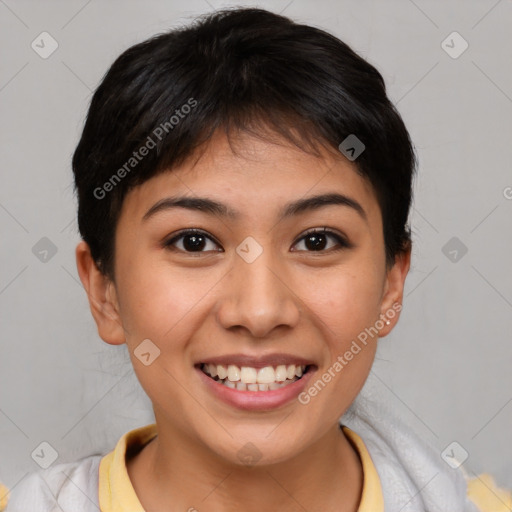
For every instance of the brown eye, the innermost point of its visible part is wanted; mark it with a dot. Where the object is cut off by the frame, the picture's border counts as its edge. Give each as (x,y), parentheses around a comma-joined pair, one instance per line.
(316,240)
(192,240)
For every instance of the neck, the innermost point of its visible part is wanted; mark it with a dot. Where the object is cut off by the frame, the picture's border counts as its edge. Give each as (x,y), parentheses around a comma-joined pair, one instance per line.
(173,470)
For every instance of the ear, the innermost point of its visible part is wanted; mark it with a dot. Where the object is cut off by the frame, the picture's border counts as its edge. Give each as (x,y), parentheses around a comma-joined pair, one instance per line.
(102,297)
(392,297)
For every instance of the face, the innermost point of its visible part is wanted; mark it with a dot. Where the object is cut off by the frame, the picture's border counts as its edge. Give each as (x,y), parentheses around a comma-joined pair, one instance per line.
(273,288)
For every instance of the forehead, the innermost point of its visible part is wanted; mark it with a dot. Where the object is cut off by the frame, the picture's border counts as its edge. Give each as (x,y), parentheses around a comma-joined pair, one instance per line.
(254,173)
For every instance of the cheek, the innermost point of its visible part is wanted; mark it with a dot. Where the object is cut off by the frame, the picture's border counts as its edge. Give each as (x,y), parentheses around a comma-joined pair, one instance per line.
(345,301)
(155,301)
(346,305)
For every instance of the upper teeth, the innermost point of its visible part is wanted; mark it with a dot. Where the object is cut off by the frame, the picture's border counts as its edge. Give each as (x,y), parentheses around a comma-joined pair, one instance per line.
(250,375)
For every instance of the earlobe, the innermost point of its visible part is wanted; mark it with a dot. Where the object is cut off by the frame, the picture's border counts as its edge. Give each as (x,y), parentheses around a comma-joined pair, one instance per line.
(392,298)
(101,295)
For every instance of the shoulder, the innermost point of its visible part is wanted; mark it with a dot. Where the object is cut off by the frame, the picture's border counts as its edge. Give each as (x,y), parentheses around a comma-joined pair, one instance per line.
(405,462)
(73,485)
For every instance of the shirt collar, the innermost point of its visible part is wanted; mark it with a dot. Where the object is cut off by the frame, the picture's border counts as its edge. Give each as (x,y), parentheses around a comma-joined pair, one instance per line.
(116,493)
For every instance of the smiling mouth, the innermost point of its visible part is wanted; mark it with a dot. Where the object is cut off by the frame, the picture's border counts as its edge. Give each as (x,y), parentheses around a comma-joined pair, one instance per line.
(247,378)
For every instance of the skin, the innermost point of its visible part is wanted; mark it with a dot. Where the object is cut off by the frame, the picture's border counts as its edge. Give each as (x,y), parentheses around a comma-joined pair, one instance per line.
(292,299)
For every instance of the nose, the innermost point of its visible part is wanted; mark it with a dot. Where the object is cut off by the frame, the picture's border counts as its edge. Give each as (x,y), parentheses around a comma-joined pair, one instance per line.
(258,297)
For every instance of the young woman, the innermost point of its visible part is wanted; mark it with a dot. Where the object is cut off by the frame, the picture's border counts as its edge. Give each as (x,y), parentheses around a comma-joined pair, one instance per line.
(244,185)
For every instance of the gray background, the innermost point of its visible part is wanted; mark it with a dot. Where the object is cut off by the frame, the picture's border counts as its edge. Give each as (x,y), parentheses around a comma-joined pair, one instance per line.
(445,369)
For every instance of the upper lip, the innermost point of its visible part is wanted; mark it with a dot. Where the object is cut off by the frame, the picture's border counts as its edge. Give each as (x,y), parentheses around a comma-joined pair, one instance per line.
(257,361)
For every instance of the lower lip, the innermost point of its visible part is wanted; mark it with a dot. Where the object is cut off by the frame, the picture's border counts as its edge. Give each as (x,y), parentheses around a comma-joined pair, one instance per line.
(256,400)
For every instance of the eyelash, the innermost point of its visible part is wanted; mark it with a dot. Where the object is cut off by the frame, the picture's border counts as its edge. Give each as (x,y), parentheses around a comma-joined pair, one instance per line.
(342,242)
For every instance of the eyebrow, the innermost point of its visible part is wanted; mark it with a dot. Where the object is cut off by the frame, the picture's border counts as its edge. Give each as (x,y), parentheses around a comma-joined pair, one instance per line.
(212,207)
